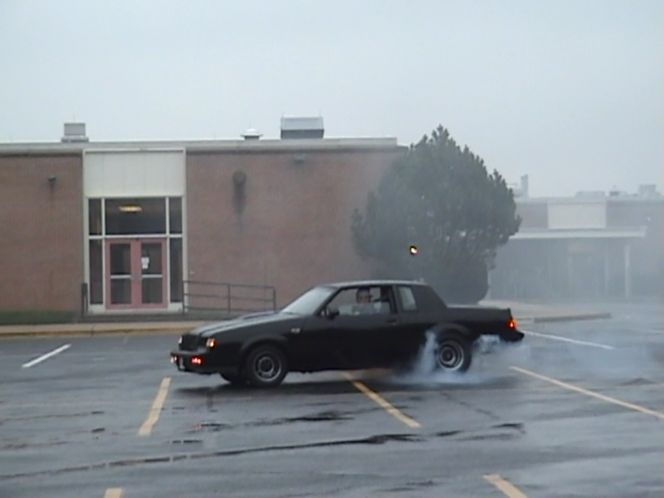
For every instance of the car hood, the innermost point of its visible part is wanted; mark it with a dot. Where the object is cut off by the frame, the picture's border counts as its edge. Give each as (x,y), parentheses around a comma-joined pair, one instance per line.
(241,322)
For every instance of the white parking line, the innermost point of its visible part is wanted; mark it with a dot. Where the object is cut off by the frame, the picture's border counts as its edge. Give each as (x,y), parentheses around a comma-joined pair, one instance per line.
(567,339)
(588,392)
(46,356)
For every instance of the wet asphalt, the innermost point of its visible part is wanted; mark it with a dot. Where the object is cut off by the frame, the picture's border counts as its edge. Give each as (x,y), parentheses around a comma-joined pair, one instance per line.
(582,418)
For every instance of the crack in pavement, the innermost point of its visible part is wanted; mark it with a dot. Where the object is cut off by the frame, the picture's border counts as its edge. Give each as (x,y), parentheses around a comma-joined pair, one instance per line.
(377,439)
(325,416)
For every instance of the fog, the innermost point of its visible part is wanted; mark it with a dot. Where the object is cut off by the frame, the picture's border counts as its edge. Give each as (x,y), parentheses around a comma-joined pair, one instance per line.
(571,93)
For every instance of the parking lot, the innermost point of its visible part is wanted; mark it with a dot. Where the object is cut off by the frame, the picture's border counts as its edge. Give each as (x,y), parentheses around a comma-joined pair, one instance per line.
(576,410)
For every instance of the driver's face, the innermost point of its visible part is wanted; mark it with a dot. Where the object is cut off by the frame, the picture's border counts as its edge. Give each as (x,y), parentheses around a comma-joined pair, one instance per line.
(363,297)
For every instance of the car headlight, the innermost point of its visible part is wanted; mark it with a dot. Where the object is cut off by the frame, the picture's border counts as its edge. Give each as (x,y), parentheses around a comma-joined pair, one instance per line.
(211,343)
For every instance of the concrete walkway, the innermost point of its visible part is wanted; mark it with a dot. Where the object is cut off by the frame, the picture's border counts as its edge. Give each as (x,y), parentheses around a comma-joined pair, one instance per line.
(523,312)
(83,329)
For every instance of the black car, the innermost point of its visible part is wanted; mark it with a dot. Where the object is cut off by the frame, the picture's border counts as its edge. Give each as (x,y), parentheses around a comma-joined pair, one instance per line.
(352,325)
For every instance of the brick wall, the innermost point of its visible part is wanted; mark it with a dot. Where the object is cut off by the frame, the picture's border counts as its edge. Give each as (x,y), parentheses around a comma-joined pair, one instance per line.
(288,226)
(41,253)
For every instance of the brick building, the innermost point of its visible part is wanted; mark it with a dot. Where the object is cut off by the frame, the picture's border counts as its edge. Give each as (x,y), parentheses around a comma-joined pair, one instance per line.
(117,227)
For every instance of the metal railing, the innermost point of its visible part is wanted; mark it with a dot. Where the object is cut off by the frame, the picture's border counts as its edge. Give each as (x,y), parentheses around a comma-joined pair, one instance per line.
(229,298)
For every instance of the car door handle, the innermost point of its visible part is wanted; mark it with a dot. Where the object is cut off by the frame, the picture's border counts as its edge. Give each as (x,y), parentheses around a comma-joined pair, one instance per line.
(392,321)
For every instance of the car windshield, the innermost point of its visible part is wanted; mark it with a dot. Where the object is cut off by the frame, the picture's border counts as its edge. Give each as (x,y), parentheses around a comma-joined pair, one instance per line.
(309,302)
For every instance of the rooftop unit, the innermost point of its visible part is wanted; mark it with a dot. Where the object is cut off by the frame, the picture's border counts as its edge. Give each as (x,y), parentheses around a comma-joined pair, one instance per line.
(302,127)
(74,132)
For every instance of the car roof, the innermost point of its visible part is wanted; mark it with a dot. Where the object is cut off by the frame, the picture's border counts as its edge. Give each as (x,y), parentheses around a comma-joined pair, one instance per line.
(372,283)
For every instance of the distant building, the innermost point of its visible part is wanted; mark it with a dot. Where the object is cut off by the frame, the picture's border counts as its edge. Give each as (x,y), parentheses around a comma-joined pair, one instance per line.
(591,246)
(117,227)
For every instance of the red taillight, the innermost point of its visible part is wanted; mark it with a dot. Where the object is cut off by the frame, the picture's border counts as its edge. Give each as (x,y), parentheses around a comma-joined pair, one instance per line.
(512,323)
(197,360)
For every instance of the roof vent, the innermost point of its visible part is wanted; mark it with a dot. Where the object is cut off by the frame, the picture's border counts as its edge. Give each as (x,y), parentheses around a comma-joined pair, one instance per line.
(74,132)
(649,190)
(252,134)
(302,127)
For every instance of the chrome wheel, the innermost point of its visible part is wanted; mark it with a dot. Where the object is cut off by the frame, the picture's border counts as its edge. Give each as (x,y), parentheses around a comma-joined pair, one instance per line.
(267,367)
(452,355)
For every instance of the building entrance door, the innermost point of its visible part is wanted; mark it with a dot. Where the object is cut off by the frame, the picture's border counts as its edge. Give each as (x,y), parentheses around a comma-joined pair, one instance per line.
(136,273)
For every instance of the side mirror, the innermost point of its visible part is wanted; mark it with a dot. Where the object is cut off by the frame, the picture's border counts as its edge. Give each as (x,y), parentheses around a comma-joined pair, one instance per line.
(330,313)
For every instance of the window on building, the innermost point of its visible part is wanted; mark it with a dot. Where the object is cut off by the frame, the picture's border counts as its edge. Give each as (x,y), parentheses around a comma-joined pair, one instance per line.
(96,273)
(94,216)
(176,270)
(135,216)
(175,214)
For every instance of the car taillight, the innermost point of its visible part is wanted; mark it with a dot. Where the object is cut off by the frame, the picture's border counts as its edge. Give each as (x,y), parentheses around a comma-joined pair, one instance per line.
(197,360)
(511,323)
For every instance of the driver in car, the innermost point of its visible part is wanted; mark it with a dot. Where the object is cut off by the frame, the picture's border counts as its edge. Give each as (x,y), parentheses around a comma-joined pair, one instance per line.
(363,305)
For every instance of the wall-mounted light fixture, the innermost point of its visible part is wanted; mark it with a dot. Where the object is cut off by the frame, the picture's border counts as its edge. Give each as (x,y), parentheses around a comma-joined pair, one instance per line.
(131,208)
(51,180)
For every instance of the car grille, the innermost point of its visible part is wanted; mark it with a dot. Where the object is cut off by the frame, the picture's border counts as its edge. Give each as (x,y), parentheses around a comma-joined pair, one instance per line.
(189,342)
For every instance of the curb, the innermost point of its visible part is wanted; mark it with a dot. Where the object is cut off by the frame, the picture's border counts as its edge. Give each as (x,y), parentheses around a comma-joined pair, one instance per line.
(94,330)
(572,318)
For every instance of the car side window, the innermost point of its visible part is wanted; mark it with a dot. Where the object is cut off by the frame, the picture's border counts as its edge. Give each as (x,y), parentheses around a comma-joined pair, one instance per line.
(363,301)
(407,299)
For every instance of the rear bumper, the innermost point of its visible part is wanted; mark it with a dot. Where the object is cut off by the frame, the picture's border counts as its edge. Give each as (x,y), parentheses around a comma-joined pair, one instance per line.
(511,335)
(194,361)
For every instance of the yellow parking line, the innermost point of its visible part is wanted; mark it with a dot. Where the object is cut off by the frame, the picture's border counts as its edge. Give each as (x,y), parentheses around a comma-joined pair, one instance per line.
(383,403)
(113,493)
(608,399)
(506,487)
(155,410)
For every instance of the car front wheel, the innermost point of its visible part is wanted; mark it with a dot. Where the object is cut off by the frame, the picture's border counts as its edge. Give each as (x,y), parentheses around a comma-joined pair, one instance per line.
(265,366)
(453,354)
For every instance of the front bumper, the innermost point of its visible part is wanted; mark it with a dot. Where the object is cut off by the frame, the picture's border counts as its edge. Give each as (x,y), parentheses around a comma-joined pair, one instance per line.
(193,361)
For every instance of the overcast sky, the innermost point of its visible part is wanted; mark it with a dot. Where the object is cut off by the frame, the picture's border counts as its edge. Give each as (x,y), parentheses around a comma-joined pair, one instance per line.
(569,92)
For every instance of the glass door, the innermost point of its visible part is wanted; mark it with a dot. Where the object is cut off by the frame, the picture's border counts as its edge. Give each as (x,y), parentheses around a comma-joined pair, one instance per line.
(136,274)
(152,273)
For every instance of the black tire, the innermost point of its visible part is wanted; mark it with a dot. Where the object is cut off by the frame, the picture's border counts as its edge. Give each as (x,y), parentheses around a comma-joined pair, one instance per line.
(453,353)
(234,379)
(265,366)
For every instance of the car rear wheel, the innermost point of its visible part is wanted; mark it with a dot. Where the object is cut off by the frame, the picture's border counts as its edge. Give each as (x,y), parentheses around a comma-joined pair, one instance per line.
(453,354)
(265,366)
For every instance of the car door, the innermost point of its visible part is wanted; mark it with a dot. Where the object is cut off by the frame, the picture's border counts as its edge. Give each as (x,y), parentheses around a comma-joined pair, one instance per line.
(319,344)
(360,331)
